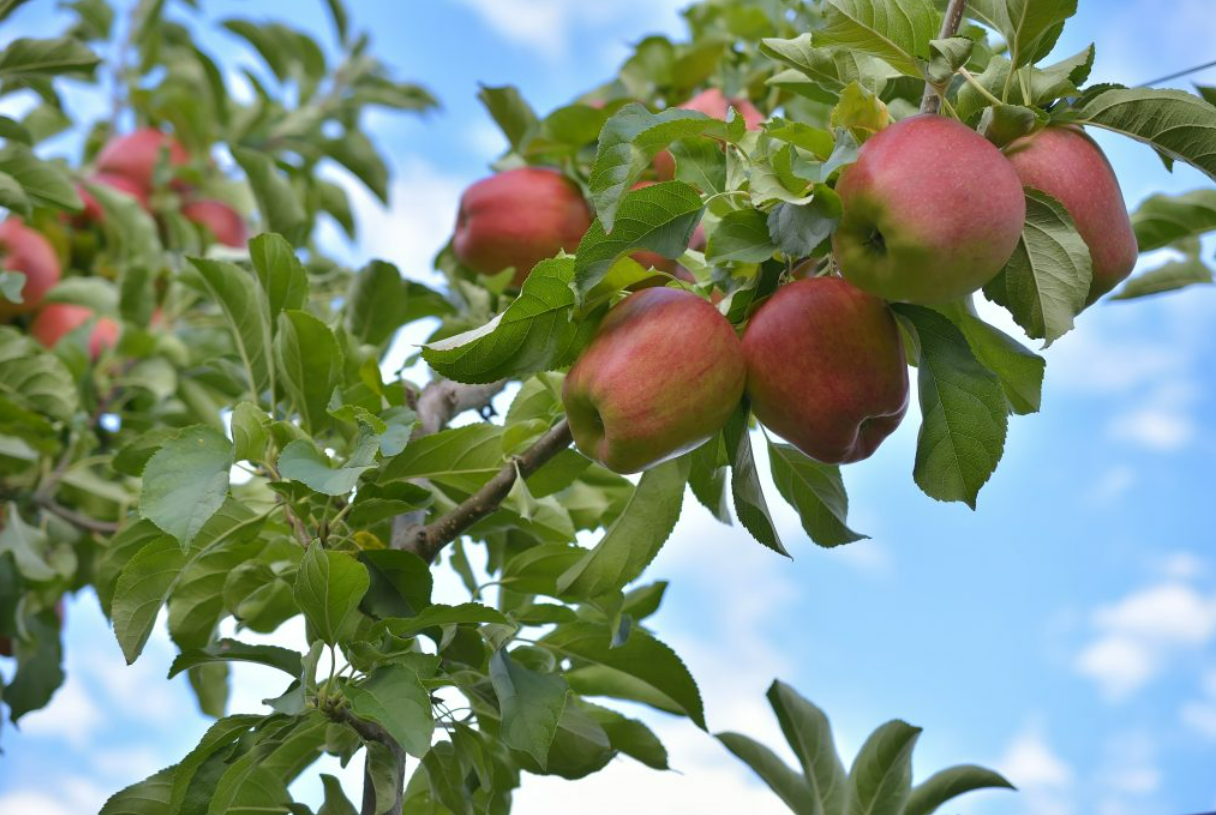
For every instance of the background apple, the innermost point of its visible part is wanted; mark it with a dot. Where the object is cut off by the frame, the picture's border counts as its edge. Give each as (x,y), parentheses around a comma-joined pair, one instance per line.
(826,369)
(57,320)
(1067,165)
(932,211)
(134,155)
(25,250)
(93,211)
(223,222)
(632,402)
(517,218)
(711,102)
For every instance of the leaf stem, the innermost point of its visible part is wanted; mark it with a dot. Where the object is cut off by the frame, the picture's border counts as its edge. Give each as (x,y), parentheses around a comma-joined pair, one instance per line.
(975,83)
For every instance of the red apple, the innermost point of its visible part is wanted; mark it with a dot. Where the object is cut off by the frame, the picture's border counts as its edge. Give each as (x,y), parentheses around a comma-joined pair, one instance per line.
(93,211)
(518,218)
(632,402)
(714,103)
(931,212)
(1067,165)
(57,320)
(826,369)
(134,155)
(25,250)
(223,222)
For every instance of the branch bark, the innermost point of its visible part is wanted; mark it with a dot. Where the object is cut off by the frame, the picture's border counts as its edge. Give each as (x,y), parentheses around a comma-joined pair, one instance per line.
(931,102)
(428,540)
(371,733)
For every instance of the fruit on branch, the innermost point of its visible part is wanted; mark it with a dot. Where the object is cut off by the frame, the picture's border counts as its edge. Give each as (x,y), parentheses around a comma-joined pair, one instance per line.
(632,402)
(25,250)
(517,218)
(713,103)
(134,156)
(93,211)
(57,320)
(826,369)
(1069,166)
(931,212)
(223,222)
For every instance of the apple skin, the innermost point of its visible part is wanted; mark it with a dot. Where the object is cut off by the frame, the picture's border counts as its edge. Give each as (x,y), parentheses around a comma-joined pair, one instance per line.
(711,102)
(1066,164)
(931,212)
(57,320)
(223,222)
(631,402)
(25,250)
(826,369)
(93,211)
(518,218)
(134,155)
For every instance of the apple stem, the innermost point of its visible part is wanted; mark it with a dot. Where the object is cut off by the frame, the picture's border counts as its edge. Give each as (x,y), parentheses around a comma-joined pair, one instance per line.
(931,101)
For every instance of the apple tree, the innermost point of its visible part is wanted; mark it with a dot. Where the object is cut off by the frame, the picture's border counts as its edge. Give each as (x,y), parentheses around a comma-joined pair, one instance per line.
(759,226)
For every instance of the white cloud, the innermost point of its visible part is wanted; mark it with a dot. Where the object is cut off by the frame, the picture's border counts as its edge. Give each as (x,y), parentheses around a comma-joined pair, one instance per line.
(72,716)
(31,803)
(1112,485)
(1142,632)
(1183,565)
(1044,780)
(1200,714)
(1154,427)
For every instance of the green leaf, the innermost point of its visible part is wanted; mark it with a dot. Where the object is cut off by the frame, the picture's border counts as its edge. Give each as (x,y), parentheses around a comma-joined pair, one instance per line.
(26,58)
(789,786)
(13,197)
(642,669)
(630,140)
(1175,123)
(629,736)
(531,705)
(881,778)
(1030,27)
(336,802)
(35,379)
(310,360)
(1019,369)
(895,31)
(463,457)
(142,589)
(281,210)
(329,586)
(1046,281)
(963,408)
(514,116)
(707,478)
(44,183)
(185,482)
(947,56)
(239,296)
(1171,276)
(660,218)
(250,432)
(401,583)
(281,274)
(394,698)
(1164,219)
(633,540)
(750,506)
(381,301)
(537,332)
(951,783)
(355,151)
(229,650)
(439,615)
(816,490)
(148,797)
(743,236)
(809,734)
(822,73)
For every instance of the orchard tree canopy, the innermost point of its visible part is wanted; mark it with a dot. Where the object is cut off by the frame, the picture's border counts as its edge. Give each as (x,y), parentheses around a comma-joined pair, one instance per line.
(809,194)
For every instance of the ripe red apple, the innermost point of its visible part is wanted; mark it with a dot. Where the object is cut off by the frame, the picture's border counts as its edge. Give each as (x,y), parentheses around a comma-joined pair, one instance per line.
(57,320)
(25,250)
(931,212)
(826,369)
(711,102)
(134,155)
(223,222)
(518,218)
(632,402)
(1067,165)
(93,211)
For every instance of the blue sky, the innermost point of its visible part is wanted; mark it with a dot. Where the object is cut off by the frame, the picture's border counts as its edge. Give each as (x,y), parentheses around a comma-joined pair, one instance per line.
(1064,633)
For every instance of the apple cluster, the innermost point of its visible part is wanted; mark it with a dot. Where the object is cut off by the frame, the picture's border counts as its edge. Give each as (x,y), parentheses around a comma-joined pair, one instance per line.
(931,212)
(127,165)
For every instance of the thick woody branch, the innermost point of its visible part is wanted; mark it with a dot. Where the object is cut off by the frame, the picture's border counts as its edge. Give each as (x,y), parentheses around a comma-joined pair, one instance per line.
(427,541)
(442,400)
(931,102)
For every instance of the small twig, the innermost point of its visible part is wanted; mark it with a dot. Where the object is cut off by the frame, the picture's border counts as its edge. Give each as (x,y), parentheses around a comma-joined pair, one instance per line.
(77,519)
(931,101)
(975,83)
(427,541)
(372,732)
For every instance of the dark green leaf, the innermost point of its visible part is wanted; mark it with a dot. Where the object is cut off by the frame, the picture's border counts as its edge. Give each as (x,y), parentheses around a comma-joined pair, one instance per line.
(1164,219)
(816,491)
(531,705)
(281,209)
(790,787)
(513,115)
(310,360)
(240,297)
(393,696)
(329,586)
(1171,276)
(229,650)
(750,506)
(881,778)
(741,236)
(951,783)
(185,482)
(896,31)
(809,734)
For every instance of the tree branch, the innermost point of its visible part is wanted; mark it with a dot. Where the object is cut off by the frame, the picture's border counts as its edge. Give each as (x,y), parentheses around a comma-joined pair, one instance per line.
(427,541)
(76,518)
(931,102)
(371,733)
